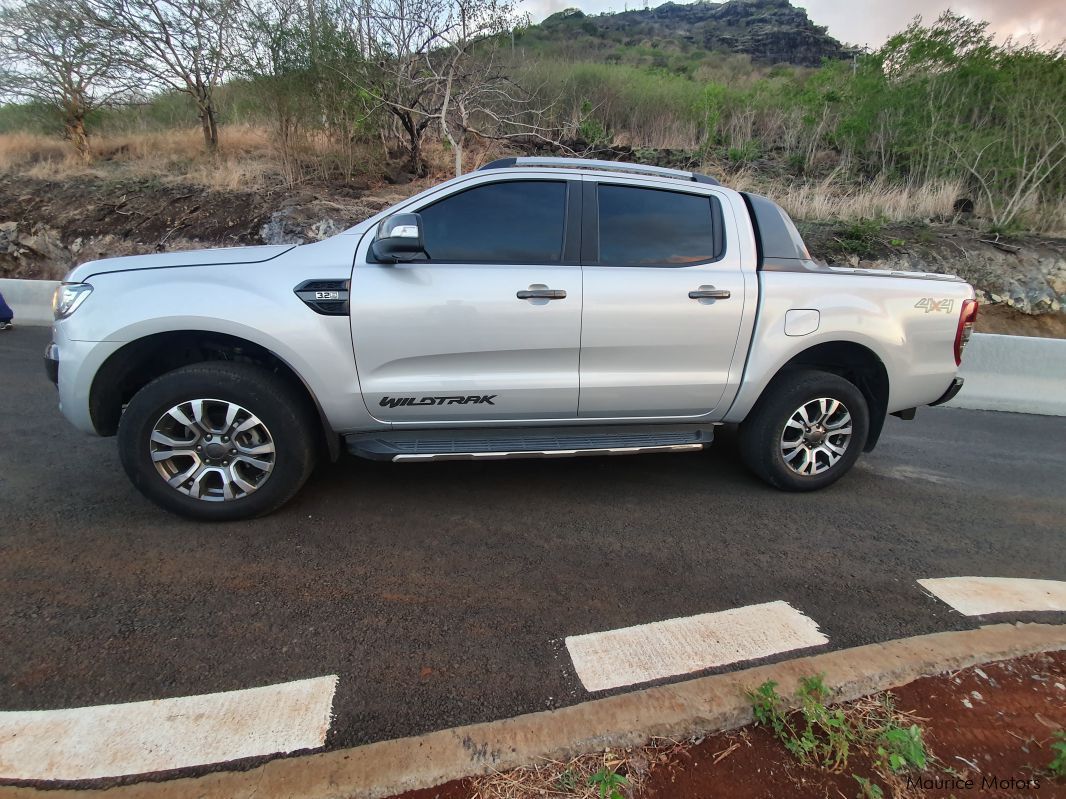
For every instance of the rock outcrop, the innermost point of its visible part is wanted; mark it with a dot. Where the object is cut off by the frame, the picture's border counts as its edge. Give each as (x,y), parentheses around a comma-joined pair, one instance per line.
(1027,273)
(770,31)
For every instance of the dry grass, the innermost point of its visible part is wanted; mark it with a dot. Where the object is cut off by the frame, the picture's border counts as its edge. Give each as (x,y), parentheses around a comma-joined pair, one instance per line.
(574,778)
(832,198)
(1049,218)
(245,157)
(251,158)
(661,132)
(179,144)
(878,199)
(25,149)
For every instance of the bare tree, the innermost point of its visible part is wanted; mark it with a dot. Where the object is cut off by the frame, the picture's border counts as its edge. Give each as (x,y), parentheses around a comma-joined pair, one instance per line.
(432,64)
(294,56)
(275,58)
(472,85)
(184,45)
(1036,151)
(52,54)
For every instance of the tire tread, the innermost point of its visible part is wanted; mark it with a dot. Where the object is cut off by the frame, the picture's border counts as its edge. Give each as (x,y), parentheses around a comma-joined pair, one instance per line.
(760,432)
(274,395)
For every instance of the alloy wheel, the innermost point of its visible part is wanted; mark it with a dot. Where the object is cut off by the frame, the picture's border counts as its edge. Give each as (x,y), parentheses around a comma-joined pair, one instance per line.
(212,450)
(816,436)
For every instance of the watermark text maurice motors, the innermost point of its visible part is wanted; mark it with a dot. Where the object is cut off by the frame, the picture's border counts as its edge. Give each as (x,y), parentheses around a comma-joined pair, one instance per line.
(985,783)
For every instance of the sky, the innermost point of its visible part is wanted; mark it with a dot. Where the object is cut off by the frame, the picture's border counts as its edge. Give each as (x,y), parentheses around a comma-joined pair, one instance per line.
(870,22)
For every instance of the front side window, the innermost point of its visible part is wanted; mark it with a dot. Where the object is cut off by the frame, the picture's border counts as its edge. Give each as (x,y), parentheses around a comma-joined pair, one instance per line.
(519,221)
(656,227)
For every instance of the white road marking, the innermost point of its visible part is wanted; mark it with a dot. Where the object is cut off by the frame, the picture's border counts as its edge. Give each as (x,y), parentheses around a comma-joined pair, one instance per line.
(141,737)
(979,596)
(647,652)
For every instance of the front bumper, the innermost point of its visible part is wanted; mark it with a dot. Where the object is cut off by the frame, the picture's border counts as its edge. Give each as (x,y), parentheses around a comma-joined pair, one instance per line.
(953,389)
(51,363)
(75,365)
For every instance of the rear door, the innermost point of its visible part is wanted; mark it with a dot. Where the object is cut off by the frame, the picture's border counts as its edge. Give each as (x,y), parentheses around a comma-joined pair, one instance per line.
(664,297)
(489,327)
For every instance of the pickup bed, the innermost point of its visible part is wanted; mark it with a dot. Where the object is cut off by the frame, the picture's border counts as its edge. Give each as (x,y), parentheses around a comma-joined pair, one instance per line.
(536,307)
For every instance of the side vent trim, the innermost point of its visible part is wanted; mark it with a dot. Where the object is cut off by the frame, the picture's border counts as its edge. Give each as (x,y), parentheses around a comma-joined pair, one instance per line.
(326,297)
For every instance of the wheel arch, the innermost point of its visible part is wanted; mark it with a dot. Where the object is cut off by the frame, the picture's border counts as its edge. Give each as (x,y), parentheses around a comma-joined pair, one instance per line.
(854,362)
(137,363)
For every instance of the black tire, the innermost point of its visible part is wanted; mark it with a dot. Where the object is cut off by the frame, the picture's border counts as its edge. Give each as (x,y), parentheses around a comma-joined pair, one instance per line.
(285,413)
(761,433)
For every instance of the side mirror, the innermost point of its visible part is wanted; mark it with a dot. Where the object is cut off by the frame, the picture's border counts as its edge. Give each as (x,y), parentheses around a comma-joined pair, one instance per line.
(399,239)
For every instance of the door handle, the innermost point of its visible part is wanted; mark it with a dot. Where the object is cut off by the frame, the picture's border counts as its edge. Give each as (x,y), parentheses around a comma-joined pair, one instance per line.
(541,294)
(709,293)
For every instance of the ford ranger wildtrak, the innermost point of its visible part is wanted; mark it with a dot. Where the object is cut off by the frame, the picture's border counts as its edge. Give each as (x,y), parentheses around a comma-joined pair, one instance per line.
(538,307)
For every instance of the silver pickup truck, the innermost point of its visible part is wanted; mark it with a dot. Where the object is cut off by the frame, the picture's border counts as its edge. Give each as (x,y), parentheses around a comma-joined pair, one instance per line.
(538,307)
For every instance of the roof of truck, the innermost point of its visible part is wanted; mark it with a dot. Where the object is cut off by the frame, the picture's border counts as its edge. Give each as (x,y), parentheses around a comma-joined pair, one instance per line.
(603,166)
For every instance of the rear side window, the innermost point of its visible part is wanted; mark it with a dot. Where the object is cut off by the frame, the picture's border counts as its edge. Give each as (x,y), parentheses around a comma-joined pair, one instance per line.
(518,221)
(654,227)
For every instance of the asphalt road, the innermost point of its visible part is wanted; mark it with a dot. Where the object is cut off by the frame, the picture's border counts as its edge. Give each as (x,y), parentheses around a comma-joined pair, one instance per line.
(441,593)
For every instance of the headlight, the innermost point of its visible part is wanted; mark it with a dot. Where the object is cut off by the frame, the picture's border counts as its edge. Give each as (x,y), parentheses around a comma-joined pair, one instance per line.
(68,297)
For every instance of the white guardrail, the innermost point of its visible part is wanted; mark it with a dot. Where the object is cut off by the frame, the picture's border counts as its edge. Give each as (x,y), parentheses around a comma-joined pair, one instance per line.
(1013,373)
(1003,373)
(31,300)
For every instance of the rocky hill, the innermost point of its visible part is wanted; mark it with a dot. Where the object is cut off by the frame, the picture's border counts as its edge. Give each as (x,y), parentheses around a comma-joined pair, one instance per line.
(770,31)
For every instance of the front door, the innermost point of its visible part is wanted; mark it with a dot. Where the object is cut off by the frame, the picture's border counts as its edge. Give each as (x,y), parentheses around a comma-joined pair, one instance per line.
(664,302)
(489,327)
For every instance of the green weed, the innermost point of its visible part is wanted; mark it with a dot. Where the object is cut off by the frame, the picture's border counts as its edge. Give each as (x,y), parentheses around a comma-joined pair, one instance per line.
(902,748)
(1057,766)
(870,790)
(608,783)
(1004,230)
(567,781)
(746,153)
(822,736)
(860,237)
(591,129)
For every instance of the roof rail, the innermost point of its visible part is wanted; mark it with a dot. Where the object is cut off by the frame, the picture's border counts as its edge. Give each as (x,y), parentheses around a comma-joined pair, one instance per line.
(612,166)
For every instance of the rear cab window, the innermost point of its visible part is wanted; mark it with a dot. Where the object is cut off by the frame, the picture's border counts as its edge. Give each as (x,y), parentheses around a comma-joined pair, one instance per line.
(657,227)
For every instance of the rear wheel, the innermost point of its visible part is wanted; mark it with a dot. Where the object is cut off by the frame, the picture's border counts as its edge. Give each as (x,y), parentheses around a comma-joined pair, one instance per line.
(218,441)
(806,432)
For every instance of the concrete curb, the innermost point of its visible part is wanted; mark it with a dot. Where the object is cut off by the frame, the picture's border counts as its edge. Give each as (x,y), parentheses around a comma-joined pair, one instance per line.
(1013,373)
(31,300)
(682,709)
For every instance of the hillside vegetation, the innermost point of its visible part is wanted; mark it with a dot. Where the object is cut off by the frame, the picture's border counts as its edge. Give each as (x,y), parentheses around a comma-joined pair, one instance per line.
(942,120)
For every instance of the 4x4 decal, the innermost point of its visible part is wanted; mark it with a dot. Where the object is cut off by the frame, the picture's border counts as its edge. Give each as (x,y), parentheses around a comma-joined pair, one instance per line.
(933,305)
(396,402)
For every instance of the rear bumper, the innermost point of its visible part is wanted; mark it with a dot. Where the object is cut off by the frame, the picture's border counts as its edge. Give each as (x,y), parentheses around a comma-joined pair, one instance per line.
(953,389)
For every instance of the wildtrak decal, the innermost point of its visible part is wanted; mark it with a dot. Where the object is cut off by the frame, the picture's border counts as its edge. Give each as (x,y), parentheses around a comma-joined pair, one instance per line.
(397,402)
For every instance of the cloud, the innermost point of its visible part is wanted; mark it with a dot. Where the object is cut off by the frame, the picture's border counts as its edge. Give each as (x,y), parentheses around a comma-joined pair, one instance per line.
(539,9)
(873,22)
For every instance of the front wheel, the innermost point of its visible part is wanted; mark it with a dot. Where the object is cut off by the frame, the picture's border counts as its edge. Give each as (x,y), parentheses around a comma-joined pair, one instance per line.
(806,431)
(218,441)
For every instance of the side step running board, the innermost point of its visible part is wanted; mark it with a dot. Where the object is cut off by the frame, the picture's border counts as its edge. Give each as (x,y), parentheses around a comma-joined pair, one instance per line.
(527,442)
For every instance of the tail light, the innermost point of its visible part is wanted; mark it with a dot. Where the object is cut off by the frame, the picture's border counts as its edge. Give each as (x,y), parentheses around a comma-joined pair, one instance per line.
(966,322)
